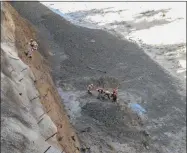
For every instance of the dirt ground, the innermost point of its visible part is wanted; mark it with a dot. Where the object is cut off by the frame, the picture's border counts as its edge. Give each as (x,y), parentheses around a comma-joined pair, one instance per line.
(49,97)
(112,127)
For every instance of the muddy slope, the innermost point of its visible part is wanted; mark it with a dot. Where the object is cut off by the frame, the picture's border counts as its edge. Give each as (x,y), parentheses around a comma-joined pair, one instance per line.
(76,49)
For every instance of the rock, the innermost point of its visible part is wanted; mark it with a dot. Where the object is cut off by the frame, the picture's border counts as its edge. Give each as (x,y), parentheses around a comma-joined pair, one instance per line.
(73,138)
(146,133)
(147,147)
(60,139)
(145,144)
(88,129)
(51,54)
(77,148)
(92,41)
(84,149)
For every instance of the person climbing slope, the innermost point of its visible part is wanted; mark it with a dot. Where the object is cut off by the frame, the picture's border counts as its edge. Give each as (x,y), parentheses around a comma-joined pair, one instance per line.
(33,46)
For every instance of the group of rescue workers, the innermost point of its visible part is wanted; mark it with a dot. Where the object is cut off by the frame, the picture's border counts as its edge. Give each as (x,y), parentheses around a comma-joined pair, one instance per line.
(102,93)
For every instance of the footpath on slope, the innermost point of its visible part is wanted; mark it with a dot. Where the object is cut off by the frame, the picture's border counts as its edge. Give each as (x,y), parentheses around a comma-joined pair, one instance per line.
(20,31)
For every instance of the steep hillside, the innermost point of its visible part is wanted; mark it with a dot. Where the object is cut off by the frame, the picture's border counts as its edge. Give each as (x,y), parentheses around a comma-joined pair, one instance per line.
(32,116)
(81,56)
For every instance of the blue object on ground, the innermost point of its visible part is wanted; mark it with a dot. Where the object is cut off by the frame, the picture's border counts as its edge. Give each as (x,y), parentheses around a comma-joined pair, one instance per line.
(137,108)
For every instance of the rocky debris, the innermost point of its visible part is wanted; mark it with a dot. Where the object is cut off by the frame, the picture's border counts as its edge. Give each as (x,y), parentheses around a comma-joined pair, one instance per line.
(88,129)
(92,40)
(145,133)
(145,144)
(85,149)
(73,138)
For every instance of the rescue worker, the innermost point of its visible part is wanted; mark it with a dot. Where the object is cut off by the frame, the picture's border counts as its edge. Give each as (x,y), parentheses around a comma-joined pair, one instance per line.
(100,93)
(89,88)
(33,46)
(114,95)
(107,94)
